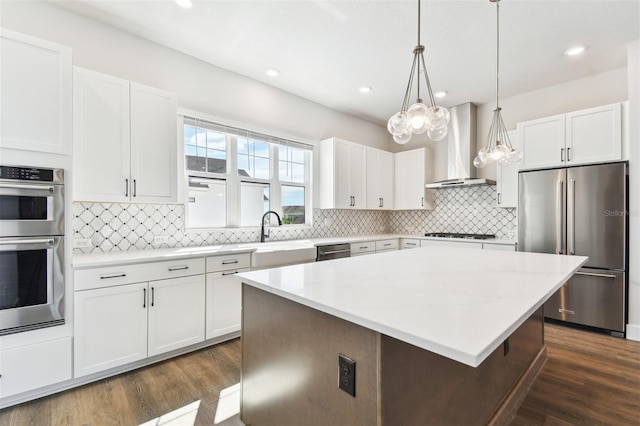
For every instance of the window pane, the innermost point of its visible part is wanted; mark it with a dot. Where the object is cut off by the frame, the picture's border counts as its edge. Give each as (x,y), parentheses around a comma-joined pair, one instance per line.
(205,150)
(293,207)
(254,202)
(261,149)
(261,168)
(297,173)
(207,204)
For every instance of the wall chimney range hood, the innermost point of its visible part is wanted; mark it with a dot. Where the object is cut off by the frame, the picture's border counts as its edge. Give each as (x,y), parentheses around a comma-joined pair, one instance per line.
(461,150)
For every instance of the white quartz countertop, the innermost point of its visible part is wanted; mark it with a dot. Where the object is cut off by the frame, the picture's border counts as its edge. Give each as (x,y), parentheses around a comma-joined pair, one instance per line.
(91,260)
(457,302)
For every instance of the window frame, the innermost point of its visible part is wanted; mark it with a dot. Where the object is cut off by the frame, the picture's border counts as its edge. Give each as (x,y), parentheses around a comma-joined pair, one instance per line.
(234,180)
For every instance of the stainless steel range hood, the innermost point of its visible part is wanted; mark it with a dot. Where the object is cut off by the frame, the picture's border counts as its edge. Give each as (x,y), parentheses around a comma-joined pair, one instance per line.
(462,150)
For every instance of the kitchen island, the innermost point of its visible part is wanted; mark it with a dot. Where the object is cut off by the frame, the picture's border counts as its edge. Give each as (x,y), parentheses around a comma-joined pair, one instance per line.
(438,336)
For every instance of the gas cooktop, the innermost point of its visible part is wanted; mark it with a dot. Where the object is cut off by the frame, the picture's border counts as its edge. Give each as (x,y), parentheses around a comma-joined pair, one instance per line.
(454,235)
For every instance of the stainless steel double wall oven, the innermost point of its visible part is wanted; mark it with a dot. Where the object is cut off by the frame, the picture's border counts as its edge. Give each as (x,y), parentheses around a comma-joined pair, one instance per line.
(31,248)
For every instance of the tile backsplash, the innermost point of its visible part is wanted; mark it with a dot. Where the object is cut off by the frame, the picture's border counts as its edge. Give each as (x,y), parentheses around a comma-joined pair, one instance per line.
(121,227)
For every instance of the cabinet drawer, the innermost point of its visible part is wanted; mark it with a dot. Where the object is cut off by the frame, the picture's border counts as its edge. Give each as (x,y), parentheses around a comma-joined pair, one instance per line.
(409,243)
(361,248)
(228,261)
(108,276)
(387,245)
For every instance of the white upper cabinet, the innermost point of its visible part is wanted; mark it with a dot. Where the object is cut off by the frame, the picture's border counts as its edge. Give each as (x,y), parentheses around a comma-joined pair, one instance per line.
(580,137)
(542,142)
(507,179)
(594,135)
(380,179)
(342,175)
(35,82)
(125,140)
(411,174)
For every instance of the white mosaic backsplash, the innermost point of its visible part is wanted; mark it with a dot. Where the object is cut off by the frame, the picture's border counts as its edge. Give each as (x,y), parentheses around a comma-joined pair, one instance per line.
(121,227)
(469,210)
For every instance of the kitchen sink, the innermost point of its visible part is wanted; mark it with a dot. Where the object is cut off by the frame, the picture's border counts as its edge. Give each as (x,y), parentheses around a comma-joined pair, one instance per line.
(281,253)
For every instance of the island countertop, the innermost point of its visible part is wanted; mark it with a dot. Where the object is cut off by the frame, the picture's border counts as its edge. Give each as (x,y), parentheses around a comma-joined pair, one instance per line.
(456,302)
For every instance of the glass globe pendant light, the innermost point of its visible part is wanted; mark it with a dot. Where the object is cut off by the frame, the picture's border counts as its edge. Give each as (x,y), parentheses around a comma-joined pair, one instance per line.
(419,117)
(499,148)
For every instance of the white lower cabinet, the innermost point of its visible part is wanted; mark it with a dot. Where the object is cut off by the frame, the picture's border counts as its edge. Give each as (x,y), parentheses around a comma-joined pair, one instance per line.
(118,322)
(29,367)
(224,303)
(409,243)
(224,293)
(360,249)
(110,327)
(387,245)
(176,314)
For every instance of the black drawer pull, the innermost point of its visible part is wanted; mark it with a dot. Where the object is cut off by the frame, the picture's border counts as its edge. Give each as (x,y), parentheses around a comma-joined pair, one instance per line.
(229,262)
(106,277)
(178,268)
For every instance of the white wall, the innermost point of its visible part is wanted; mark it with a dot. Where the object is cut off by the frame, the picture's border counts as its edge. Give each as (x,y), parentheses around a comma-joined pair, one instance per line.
(633,61)
(199,85)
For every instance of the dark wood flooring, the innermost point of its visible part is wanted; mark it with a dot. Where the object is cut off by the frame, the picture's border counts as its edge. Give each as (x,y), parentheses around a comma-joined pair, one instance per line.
(589,379)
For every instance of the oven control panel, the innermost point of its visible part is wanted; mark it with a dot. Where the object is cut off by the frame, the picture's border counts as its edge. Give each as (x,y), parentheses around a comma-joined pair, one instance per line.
(26,173)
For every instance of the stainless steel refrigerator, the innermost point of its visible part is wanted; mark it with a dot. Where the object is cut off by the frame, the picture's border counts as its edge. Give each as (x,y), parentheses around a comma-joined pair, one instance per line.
(581,211)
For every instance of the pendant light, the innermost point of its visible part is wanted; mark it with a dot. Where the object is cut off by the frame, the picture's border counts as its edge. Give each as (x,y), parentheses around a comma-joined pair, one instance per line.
(499,148)
(418,118)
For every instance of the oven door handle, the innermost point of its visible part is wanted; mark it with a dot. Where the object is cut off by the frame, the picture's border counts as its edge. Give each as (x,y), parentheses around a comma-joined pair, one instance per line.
(28,241)
(49,188)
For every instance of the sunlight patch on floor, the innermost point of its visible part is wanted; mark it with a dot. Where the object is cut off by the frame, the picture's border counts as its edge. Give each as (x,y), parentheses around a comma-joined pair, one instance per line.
(183,416)
(228,404)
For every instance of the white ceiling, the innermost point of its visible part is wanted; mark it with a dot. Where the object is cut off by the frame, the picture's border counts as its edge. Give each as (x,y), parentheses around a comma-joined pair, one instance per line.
(326,50)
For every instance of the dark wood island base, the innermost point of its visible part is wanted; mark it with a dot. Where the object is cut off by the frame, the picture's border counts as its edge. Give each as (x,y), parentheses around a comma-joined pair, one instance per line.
(290,372)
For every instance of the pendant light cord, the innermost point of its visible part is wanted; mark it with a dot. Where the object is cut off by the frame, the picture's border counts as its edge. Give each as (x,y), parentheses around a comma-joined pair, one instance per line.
(497,52)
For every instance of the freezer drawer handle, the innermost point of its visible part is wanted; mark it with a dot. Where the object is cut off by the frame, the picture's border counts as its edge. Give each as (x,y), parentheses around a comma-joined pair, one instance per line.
(566,311)
(593,274)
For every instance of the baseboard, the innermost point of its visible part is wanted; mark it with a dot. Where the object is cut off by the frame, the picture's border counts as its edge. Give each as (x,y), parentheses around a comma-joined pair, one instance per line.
(633,332)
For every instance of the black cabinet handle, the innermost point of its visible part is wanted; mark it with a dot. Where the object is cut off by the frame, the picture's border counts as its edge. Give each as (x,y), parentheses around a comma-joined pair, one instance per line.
(153,296)
(135,188)
(126,187)
(144,297)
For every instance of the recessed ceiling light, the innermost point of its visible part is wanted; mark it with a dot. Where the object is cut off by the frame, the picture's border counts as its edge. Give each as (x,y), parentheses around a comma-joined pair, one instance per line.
(365,89)
(575,50)
(441,94)
(187,4)
(273,72)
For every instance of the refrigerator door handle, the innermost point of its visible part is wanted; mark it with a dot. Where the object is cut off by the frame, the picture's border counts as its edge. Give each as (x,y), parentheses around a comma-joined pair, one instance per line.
(560,219)
(571,218)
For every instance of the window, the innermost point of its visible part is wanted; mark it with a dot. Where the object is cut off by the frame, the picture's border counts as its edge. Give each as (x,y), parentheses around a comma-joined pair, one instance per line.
(234,176)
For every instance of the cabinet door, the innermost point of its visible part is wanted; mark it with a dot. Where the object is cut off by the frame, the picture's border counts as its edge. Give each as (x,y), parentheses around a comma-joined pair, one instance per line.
(507,179)
(594,135)
(224,303)
(29,367)
(35,82)
(410,170)
(386,182)
(101,158)
(542,142)
(373,179)
(357,175)
(110,327)
(154,144)
(176,313)
(342,193)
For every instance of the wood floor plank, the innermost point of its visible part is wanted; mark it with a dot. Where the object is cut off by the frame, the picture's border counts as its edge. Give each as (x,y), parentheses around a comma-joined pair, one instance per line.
(589,379)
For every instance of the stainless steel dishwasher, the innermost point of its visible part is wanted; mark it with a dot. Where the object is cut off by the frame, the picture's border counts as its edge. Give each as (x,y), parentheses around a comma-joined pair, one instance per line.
(333,251)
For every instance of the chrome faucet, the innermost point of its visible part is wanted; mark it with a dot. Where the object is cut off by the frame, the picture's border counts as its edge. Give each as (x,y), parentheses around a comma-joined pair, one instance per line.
(262,234)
